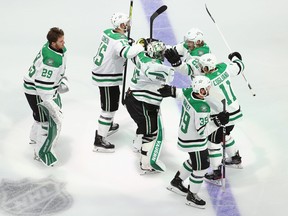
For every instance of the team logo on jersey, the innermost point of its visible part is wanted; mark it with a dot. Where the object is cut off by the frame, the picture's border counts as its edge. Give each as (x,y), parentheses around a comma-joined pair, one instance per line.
(30,197)
(50,62)
(200,53)
(204,108)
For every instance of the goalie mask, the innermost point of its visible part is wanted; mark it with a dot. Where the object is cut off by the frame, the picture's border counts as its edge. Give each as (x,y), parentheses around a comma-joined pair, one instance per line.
(118,18)
(201,82)
(207,63)
(156,50)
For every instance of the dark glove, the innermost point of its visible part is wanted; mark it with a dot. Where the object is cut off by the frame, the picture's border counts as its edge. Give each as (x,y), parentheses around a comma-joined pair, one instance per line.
(167,91)
(173,57)
(235,54)
(149,40)
(221,118)
(131,41)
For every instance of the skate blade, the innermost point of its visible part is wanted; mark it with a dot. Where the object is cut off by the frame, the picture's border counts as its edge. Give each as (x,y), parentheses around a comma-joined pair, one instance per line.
(214,182)
(135,150)
(148,172)
(189,203)
(102,150)
(234,166)
(176,190)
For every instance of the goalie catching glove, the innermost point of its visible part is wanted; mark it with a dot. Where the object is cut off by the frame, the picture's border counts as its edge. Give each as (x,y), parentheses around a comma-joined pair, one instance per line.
(167,91)
(173,57)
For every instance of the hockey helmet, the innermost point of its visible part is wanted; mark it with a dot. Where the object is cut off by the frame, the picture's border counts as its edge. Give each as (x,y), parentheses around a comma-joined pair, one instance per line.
(207,62)
(201,82)
(118,18)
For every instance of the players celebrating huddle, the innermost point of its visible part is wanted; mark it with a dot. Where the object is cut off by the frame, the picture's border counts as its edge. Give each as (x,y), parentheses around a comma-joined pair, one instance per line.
(201,130)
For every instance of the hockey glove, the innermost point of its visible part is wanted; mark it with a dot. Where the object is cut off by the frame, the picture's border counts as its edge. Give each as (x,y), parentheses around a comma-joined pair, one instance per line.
(167,91)
(234,54)
(173,57)
(143,42)
(221,118)
(64,85)
(131,41)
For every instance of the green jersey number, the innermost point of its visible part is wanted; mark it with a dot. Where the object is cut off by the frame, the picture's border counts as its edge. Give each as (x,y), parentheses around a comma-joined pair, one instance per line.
(135,76)
(46,73)
(228,91)
(98,59)
(185,120)
(32,69)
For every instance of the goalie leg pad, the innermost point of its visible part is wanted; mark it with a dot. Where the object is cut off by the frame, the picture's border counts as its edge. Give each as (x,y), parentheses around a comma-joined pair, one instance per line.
(153,150)
(54,115)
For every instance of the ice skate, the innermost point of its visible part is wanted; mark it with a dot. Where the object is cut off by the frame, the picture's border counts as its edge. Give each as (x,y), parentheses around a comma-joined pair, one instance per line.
(234,162)
(36,157)
(101,145)
(215,177)
(194,200)
(176,186)
(147,170)
(113,129)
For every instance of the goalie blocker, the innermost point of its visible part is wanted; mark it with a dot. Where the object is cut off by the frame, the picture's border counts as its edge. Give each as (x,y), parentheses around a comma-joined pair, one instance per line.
(52,110)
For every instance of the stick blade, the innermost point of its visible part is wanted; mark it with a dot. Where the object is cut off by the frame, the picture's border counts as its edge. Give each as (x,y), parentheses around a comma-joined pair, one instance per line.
(158,12)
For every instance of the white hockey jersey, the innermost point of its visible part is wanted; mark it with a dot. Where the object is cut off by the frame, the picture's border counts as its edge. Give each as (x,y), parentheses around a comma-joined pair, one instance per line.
(195,125)
(110,58)
(222,88)
(149,75)
(44,76)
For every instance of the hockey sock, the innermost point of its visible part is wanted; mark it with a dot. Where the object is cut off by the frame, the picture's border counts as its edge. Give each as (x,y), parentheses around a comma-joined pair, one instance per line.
(185,170)
(230,146)
(104,122)
(215,155)
(196,180)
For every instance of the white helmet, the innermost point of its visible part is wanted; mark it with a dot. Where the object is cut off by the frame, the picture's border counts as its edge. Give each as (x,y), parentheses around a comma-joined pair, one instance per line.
(156,50)
(209,61)
(200,82)
(194,35)
(118,18)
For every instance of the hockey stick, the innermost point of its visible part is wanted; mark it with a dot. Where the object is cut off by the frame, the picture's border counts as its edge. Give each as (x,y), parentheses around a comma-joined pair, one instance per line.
(248,84)
(224,149)
(126,63)
(159,11)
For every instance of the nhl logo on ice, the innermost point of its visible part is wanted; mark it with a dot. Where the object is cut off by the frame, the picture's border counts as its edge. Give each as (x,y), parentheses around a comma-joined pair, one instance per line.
(33,197)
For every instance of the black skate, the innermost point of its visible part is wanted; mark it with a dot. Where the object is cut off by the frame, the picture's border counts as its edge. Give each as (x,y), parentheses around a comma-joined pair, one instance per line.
(101,145)
(194,200)
(234,162)
(215,177)
(176,185)
(113,129)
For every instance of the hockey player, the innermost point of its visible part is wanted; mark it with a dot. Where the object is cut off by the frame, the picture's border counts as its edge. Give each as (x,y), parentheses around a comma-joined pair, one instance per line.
(194,128)
(107,75)
(143,100)
(220,76)
(193,46)
(42,85)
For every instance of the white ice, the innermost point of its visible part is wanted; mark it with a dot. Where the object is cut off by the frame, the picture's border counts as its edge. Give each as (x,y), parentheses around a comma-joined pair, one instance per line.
(110,184)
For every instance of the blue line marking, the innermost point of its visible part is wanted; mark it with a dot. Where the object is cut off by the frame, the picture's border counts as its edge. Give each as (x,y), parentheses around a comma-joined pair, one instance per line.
(223,203)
